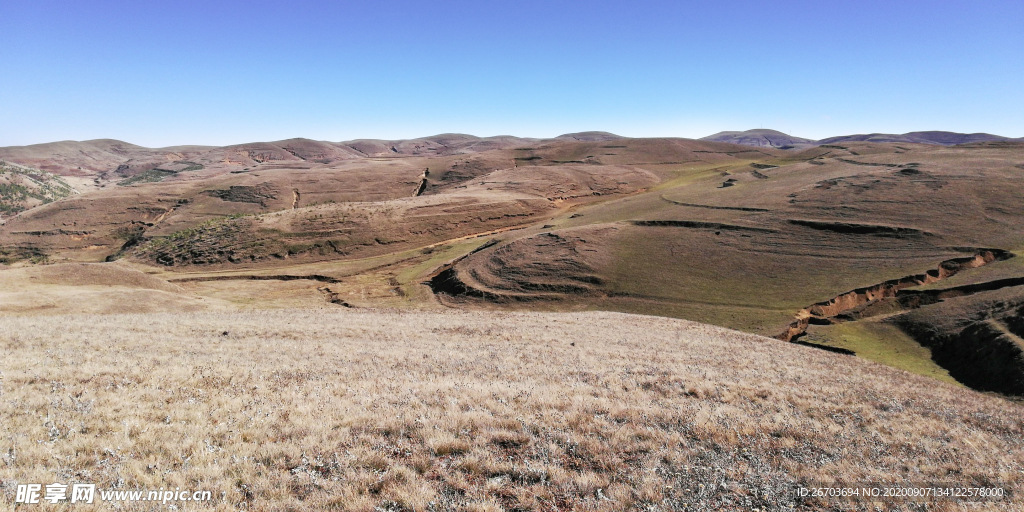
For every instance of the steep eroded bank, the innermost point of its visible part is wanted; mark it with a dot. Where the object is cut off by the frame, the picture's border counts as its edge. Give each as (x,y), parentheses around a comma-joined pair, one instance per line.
(827,311)
(977,339)
(974,331)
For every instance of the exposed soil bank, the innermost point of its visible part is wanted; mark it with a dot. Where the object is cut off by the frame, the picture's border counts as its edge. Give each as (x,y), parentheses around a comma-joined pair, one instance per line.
(710,207)
(698,225)
(824,312)
(860,229)
(446,279)
(333,297)
(985,353)
(547,266)
(447,282)
(418,191)
(280,277)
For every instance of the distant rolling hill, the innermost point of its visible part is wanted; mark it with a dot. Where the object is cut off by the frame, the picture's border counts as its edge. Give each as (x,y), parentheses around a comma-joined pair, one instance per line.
(137,193)
(108,159)
(777,139)
(931,137)
(762,138)
(590,136)
(105,160)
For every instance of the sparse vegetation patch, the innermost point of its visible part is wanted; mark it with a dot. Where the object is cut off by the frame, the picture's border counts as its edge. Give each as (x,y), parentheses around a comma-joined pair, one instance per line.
(150,176)
(258,194)
(23,187)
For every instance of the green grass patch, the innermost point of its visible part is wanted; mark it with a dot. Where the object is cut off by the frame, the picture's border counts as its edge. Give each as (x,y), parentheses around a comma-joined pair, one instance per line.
(691,175)
(881,343)
(412,275)
(765,322)
(688,177)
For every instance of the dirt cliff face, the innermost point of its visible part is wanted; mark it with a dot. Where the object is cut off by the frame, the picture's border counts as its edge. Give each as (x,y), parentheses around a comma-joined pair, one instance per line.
(979,341)
(973,335)
(852,304)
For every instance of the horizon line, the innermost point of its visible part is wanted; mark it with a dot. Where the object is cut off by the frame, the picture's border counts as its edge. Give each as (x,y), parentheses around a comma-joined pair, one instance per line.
(502,135)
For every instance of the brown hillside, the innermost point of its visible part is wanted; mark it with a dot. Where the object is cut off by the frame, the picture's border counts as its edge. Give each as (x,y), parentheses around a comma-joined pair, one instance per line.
(744,237)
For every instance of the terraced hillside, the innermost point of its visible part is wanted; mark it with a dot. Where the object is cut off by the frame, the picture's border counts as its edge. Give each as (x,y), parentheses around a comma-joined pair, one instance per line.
(833,246)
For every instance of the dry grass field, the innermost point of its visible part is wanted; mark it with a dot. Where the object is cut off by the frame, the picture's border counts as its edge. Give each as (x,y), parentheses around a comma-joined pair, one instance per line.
(334,409)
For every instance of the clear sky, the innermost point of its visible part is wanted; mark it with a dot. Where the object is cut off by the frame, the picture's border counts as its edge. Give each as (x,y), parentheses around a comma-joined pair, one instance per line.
(221,72)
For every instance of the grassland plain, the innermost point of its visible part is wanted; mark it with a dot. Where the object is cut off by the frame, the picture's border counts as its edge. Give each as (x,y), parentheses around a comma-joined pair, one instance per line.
(397,410)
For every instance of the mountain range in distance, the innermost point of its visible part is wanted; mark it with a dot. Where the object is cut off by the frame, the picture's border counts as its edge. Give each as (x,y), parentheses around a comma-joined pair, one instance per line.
(86,159)
(780,140)
(115,159)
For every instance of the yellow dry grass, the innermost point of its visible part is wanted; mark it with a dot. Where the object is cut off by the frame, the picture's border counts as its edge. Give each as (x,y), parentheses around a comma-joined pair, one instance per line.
(402,410)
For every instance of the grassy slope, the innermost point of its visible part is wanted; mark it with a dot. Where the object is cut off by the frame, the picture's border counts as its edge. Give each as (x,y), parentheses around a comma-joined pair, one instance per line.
(352,410)
(882,343)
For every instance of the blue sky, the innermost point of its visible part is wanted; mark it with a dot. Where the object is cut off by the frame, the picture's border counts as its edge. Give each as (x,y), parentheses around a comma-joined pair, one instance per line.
(222,72)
